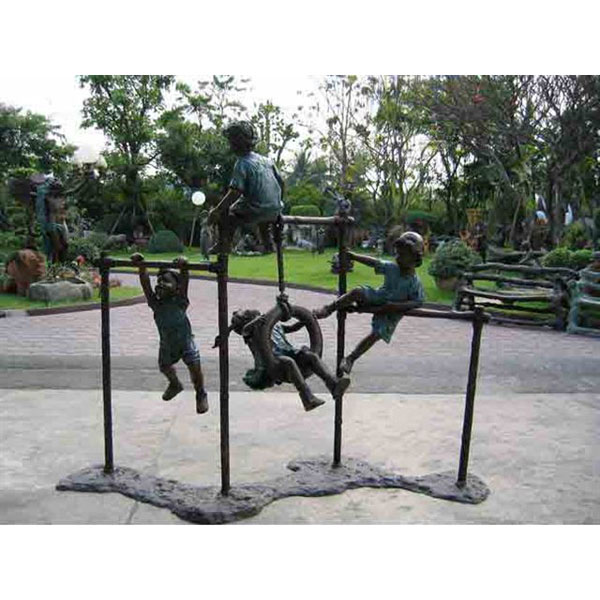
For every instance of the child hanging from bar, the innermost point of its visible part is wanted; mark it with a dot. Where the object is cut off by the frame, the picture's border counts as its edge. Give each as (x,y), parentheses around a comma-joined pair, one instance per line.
(294,364)
(255,191)
(169,302)
(401,286)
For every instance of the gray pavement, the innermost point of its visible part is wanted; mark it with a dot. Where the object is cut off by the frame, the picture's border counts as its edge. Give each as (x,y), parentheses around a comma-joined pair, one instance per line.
(535,439)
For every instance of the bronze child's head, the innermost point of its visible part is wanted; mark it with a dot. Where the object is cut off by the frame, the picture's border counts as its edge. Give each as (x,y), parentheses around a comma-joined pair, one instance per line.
(409,249)
(242,137)
(167,283)
(241,318)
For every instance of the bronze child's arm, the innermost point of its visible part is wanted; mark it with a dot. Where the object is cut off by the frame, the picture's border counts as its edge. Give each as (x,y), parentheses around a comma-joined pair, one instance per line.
(370,261)
(293,327)
(144,277)
(182,264)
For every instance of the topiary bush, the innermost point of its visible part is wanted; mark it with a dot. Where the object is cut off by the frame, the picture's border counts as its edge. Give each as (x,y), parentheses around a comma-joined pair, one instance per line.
(565,258)
(165,241)
(451,259)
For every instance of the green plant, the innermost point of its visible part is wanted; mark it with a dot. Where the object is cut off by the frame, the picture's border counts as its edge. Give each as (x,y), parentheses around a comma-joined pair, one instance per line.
(82,247)
(581,259)
(559,257)
(165,241)
(576,236)
(451,259)
(10,240)
(305,210)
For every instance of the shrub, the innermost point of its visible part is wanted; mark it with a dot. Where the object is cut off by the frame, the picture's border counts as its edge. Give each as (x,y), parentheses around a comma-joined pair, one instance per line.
(576,236)
(559,257)
(98,238)
(165,241)
(82,247)
(305,210)
(563,257)
(451,259)
(581,259)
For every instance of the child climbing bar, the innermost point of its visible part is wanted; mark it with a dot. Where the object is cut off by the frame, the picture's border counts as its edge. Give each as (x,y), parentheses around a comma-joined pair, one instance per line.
(401,285)
(169,303)
(293,364)
(255,191)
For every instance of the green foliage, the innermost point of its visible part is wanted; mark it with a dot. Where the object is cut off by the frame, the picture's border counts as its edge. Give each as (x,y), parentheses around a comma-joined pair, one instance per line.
(305,210)
(565,258)
(165,241)
(30,141)
(451,259)
(82,247)
(10,240)
(581,259)
(576,236)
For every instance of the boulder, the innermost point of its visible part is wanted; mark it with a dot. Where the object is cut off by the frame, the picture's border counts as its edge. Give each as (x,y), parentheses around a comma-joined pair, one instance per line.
(26,267)
(60,290)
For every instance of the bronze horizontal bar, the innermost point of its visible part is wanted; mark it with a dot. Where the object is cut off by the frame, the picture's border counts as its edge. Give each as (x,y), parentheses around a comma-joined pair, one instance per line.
(425,312)
(158,264)
(335,220)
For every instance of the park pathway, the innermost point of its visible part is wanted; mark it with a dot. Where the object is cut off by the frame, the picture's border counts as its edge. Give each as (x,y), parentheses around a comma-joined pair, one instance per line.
(425,356)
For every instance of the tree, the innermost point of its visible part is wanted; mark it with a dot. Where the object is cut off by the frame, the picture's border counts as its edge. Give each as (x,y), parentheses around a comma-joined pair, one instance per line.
(30,141)
(215,101)
(274,132)
(126,108)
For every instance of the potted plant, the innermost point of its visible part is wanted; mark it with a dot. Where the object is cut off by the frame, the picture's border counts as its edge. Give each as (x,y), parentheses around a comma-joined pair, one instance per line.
(450,260)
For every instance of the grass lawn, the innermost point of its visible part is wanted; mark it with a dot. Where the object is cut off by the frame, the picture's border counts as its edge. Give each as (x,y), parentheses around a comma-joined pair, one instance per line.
(303,267)
(14,302)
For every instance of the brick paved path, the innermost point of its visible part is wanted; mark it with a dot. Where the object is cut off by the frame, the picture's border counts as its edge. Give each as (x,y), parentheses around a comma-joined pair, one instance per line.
(425,356)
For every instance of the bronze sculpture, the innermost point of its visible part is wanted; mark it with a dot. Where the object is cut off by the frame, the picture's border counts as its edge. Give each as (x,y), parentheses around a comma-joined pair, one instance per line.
(169,302)
(255,191)
(401,286)
(291,364)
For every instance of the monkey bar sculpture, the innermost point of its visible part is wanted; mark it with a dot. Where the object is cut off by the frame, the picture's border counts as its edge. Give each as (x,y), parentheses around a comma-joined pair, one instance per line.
(306,477)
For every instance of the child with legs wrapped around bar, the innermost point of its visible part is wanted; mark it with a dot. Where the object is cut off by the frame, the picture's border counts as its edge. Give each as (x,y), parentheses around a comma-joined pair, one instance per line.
(294,365)
(169,302)
(401,286)
(254,197)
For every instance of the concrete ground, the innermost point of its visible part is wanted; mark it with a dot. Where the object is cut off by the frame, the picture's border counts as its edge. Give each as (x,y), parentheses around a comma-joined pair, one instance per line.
(535,441)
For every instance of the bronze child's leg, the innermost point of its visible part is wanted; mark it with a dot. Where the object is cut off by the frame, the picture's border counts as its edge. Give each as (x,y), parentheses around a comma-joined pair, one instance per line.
(293,375)
(174,384)
(355,296)
(198,381)
(363,346)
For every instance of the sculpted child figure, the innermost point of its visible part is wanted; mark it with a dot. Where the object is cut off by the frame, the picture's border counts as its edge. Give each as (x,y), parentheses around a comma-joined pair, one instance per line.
(169,302)
(401,285)
(255,189)
(294,364)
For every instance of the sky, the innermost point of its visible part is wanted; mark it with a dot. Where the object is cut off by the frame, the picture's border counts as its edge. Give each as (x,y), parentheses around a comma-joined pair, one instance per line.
(60,98)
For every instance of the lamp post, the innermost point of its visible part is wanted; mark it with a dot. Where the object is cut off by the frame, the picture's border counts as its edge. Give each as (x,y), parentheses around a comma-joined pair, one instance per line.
(198,199)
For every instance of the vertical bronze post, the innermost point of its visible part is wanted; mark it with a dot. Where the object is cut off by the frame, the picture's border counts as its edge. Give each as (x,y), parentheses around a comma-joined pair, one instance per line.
(106,387)
(341,337)
(470,397)
(222,275)
(278,239)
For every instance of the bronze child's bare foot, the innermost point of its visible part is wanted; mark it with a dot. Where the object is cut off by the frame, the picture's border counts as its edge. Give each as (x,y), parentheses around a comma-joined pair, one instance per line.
(341,386)
(172,391)
(311,402)
(346,365)
(201,402)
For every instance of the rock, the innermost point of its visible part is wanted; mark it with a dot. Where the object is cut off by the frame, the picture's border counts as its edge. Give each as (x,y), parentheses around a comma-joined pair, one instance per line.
(60,290)
(26,267)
